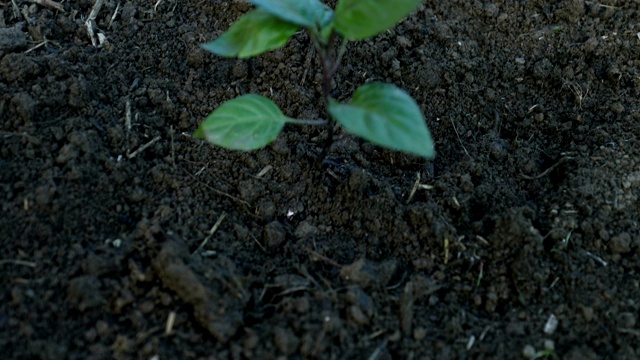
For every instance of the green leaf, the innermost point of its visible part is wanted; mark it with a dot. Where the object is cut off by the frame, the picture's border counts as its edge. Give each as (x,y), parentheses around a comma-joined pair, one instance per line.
(248,122)
(360,19)
(387,116)
(310,14)
(255,33)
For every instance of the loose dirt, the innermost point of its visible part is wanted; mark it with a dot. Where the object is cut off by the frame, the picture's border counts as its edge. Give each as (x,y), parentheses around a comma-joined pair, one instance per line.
(123,237)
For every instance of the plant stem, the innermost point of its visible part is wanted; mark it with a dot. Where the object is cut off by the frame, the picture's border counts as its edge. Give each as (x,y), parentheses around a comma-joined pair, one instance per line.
(328,70)
(341,51)
(307,122)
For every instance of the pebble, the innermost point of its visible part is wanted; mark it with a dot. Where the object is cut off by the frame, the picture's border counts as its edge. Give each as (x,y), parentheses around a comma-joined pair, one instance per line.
(273,234)
(529,352)
(357,315)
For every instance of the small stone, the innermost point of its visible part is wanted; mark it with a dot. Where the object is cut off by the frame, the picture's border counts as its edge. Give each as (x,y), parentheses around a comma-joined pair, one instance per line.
(83,293)
(12,38)
(18,67)
(274,234)
(621,244)
(617,108)
(240,69)
(529,352)
(627,320)
(147,307)
(357,315)
(123,344)
(23,106)
(395,336)
(90,335)
(604,234)
(588,313)
(516,328)
(102,328)
(305,229)
(302,305)
(266,210)
(549,345)
(285,340)
(551,325)
(419,333)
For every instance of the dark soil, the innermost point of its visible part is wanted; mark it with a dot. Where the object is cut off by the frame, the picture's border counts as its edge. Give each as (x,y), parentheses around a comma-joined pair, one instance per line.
(123,237)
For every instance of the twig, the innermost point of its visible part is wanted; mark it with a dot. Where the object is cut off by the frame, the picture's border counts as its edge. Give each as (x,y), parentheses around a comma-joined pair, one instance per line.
(49,4)
(127,121)
(211,232)
(258,242)
(324,258)
(378,350)
(418,186)
(593,3)
(244,203)
(596,258)
(16,9)
(544,173)
(91,21)
(173,147)
(171,320)
(264,171)
(155,7)
(113,17)
(143,147)
(458,135)
(37,46)
(18,262)
(95,10)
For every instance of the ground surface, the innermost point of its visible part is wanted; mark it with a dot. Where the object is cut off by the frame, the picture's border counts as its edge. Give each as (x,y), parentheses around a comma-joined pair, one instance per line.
(530,214)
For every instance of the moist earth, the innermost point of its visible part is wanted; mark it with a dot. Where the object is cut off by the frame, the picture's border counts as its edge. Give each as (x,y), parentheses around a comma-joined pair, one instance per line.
(124,237)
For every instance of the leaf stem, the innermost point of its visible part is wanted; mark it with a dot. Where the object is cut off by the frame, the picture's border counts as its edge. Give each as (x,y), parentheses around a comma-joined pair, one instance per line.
(329,67)
(341,52)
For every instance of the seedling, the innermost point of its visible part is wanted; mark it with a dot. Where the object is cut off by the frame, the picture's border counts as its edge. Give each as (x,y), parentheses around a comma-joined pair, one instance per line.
(378,112)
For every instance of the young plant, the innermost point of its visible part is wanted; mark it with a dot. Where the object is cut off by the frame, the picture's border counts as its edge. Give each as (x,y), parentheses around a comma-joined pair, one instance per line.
(378,112)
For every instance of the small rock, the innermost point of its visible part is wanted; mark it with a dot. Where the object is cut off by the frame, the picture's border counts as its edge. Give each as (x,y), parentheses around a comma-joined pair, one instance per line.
(240,69)
(516,328)
(12,38)
(357,315)
(366,273)
(266,210)
(588,313)
(274,234)
(395,336)
(84,293)
(571,11)
(18,67)
(617,108)
(23,105)
(358,181)
(305,229)
(626,320)
(419,333)
(549,345)
(358,297)
(551,325)
(66,154)
(620,244)
(123,344)
(285,340)
(529,352)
